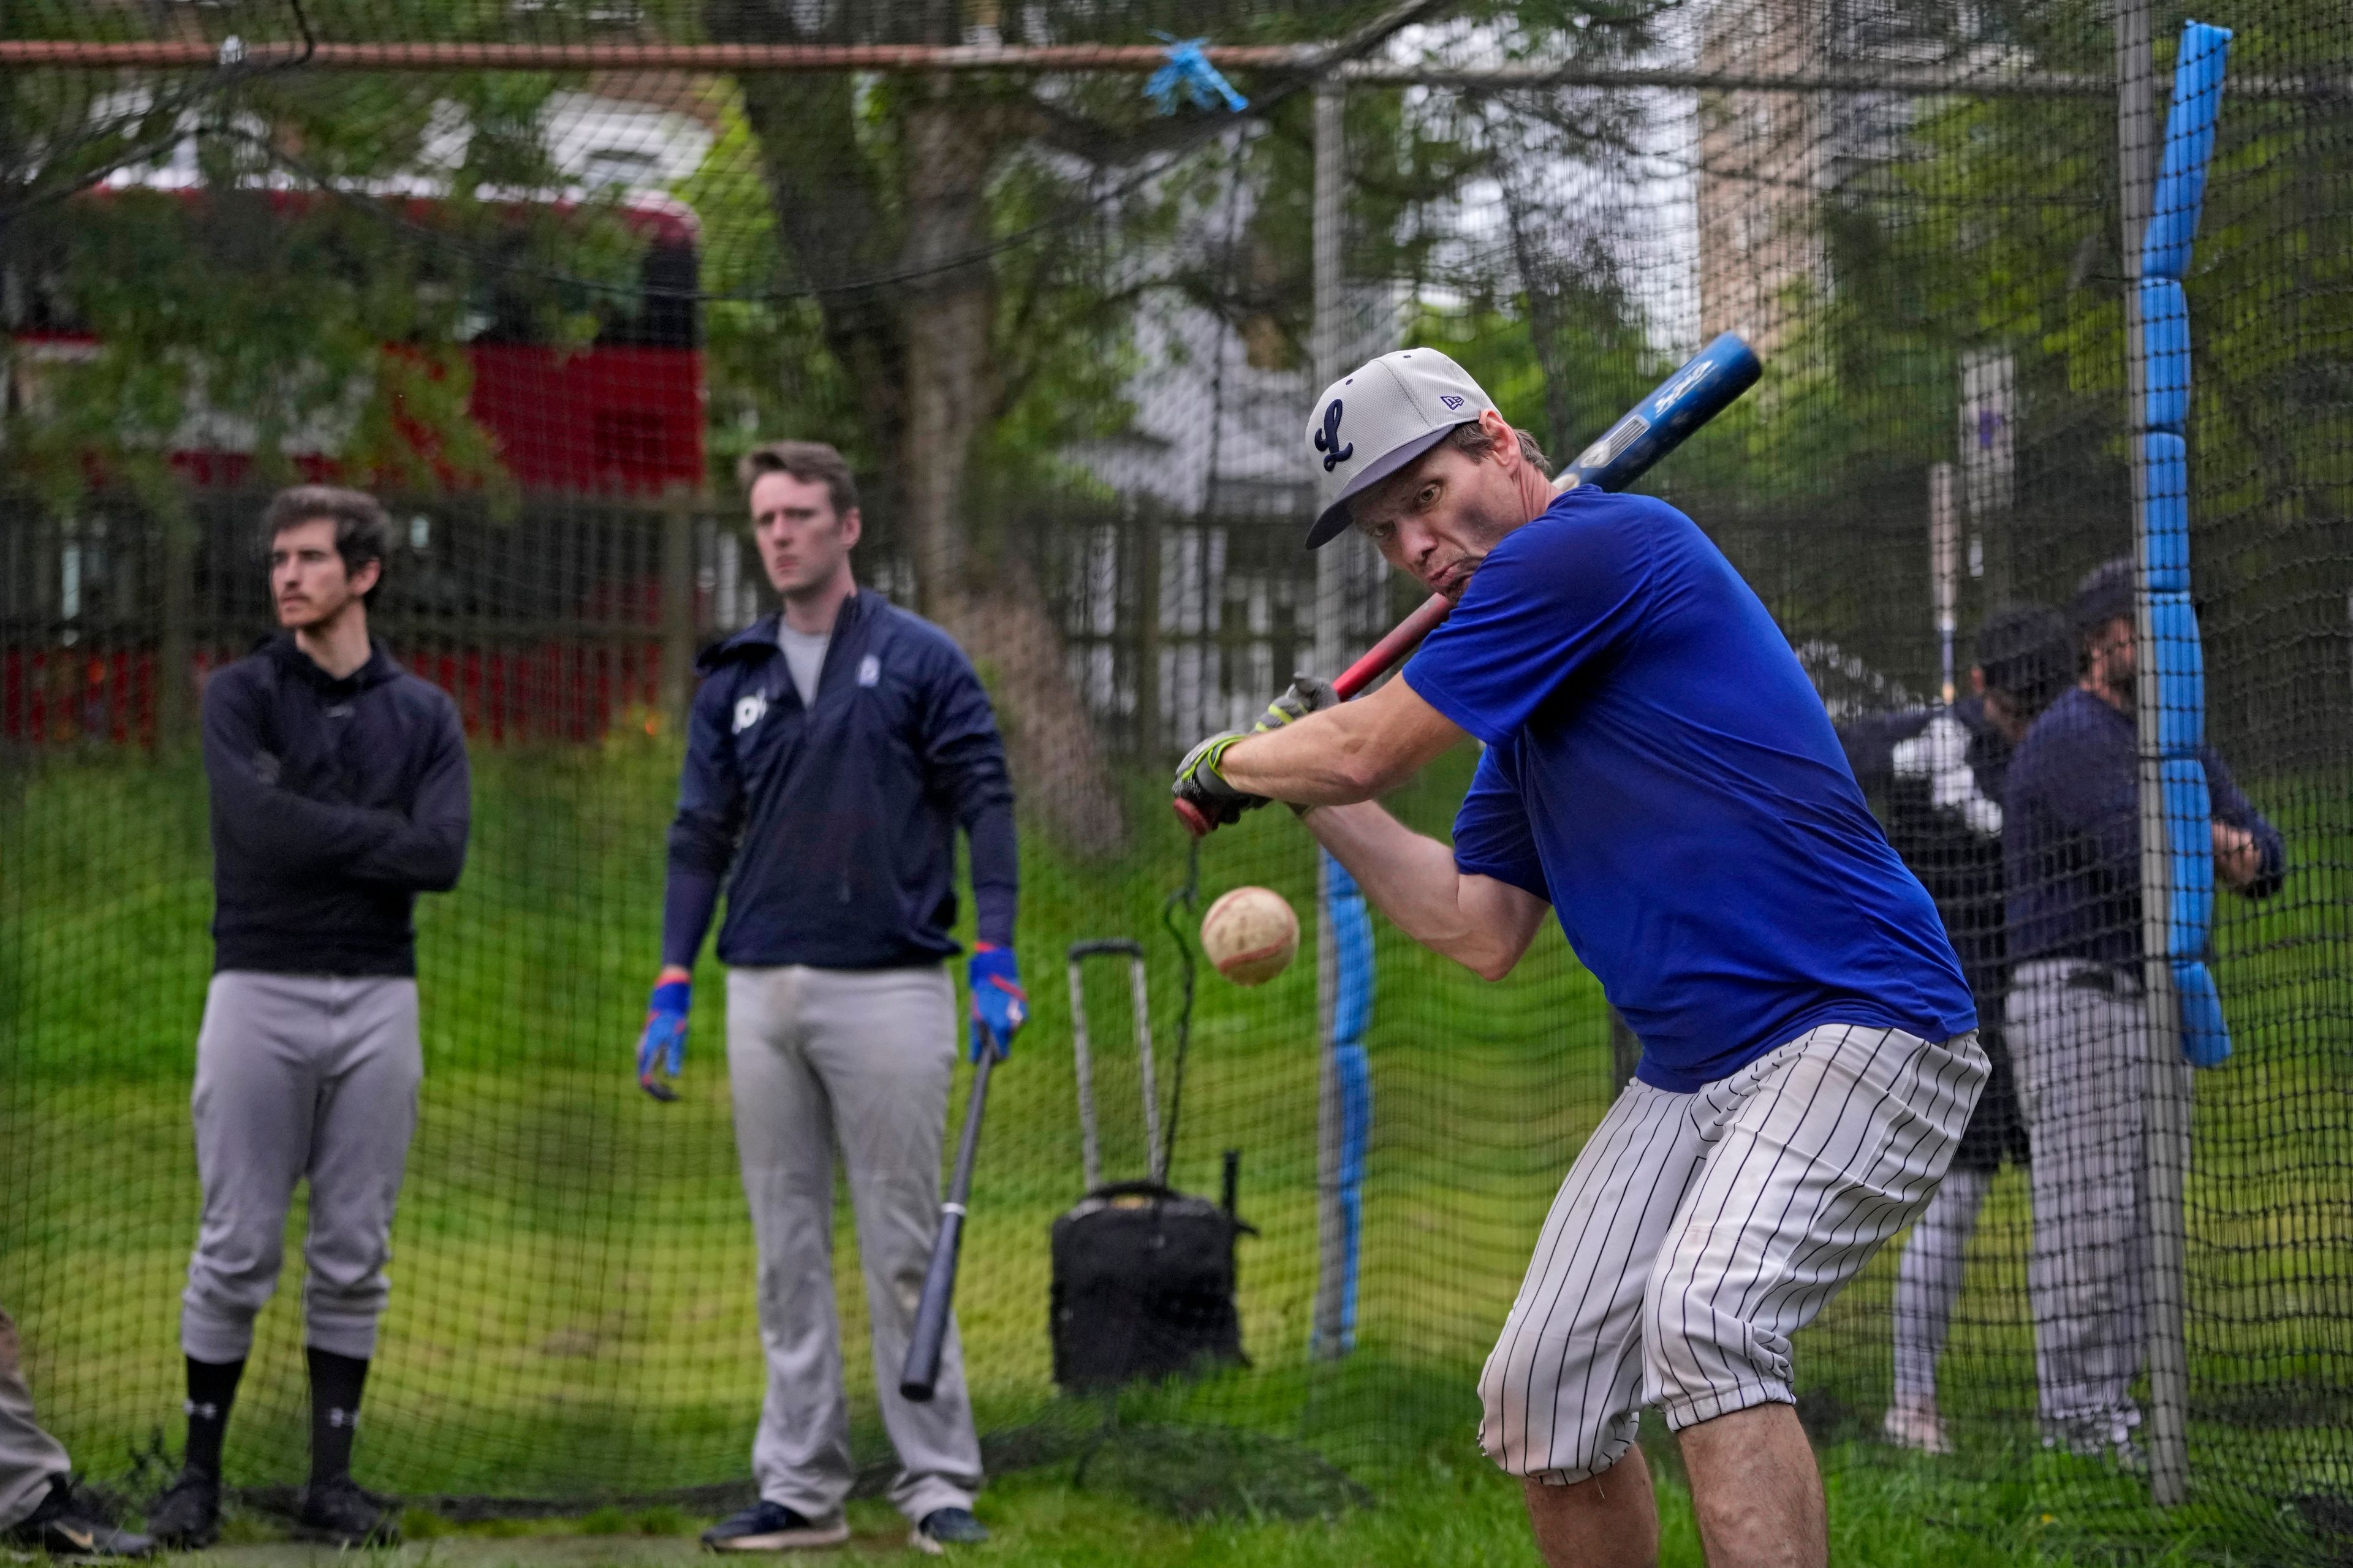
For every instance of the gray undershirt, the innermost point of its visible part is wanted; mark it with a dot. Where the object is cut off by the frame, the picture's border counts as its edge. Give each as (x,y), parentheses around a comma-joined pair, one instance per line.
(805,657)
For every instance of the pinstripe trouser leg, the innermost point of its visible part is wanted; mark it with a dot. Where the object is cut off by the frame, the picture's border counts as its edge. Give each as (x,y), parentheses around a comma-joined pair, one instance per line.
(1696,1232)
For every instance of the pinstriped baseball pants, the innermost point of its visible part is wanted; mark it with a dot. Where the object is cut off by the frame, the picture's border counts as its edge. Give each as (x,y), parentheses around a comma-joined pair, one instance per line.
(1695,1233)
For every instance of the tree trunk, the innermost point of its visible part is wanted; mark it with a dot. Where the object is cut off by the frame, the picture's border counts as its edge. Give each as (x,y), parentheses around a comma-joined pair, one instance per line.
(919,349)
(987,599)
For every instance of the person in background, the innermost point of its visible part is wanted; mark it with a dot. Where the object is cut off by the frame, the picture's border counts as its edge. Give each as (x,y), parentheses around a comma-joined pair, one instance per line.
(1935,777)
(38,1509)
(340,792)
(835,750)
(2077,1021)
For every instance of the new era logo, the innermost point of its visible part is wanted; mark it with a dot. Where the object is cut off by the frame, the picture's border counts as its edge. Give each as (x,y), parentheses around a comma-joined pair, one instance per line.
(1451,401)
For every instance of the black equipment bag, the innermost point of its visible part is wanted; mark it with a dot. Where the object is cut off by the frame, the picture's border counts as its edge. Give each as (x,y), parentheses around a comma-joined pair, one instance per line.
(1144,1274)
(1143,1286)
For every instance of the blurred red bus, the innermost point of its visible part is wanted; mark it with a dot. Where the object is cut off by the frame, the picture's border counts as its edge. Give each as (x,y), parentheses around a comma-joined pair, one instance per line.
(622,415)
(554,646)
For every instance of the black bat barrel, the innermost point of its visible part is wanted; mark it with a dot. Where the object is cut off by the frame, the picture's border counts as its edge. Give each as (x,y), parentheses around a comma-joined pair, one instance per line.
(920,1375)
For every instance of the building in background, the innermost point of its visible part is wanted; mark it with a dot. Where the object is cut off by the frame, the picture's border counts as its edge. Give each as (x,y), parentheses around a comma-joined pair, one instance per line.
(1766,159)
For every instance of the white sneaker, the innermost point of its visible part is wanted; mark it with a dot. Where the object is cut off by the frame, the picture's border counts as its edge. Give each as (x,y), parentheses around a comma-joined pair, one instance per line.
(1915,1425)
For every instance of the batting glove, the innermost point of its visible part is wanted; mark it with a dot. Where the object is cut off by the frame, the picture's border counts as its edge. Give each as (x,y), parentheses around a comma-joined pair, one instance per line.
(665,1035)
(1307,695)
(1000,1006)
(1200,784)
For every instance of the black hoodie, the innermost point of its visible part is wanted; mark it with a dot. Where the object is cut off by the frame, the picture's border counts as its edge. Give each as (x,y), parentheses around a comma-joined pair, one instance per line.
(334,803)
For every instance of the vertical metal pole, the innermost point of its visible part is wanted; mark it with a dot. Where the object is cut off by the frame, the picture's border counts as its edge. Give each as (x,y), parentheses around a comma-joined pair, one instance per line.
(1625,1054)
(1331,627)
(2166,1106)
(676,609)
(1945,568)
(175,691)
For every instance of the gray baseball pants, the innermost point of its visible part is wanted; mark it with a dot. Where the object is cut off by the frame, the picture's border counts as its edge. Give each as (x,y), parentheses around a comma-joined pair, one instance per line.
(1695,1233)
(1928,1281)
(2080,1035)
(857,1062)
(29,1458)
(299,1076)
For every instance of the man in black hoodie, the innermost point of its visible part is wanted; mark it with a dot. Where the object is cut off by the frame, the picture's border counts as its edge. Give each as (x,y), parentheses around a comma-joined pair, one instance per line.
(340,792)
(1935,775)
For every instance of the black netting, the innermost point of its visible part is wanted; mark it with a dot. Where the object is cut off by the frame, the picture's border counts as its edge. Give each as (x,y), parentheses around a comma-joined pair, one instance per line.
(541,301)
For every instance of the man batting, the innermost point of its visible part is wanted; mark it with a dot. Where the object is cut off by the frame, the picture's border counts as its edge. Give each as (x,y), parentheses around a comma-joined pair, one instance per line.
(835,749)
(1659,771)
(340,792)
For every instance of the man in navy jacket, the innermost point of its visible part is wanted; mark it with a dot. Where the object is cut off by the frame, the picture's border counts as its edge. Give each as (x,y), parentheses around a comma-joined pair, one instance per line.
(2078,1023)
(834,751)
(340,791)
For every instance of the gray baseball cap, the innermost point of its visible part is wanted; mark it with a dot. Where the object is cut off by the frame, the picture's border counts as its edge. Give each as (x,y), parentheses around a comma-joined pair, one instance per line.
(1370,424)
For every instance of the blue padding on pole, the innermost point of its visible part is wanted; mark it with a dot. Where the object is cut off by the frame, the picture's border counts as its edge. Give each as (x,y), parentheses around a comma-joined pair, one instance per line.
(1351,1014)
(2165,354)
(2205,1036)
(2167,545)
(1352,928)
(2162,415)
(2189,826)
(1354,1070)
(2188,147)
(2180,675)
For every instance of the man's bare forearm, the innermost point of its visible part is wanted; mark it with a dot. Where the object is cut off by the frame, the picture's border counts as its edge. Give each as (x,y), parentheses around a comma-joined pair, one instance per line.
(1343,754)
(1325,758)
(1412,879)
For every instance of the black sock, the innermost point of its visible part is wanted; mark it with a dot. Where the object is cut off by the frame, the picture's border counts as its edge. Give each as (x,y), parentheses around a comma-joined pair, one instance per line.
(335,1384)
(212,1389)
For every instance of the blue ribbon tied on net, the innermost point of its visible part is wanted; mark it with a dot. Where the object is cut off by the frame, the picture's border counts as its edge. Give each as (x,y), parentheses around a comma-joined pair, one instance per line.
(1190,75)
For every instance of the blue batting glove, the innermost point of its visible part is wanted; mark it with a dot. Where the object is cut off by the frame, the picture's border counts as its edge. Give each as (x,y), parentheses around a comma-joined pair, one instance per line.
(665,1035)
(1000,1006)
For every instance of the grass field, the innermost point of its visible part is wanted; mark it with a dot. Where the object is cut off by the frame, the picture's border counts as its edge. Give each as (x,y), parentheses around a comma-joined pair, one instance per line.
(572,1316)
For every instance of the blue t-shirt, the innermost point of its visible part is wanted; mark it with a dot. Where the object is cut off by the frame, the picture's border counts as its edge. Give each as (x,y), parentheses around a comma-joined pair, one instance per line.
(1659,767)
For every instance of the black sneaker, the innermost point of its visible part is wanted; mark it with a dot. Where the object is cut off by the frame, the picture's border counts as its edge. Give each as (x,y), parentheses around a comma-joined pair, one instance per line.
(63,1528)
(945,1527)
(339,1513)
(772,1527)
(186,1516)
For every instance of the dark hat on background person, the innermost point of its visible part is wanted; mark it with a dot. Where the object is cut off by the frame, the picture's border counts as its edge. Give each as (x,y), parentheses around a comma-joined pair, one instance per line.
(2103,595)
(2027,654)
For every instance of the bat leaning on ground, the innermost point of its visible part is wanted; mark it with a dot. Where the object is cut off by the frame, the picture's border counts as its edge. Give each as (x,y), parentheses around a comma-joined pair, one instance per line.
(1701,387)
(920,1373)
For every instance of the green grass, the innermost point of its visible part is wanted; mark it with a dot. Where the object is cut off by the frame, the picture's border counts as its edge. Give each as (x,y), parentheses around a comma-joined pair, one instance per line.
(1433,1513)
(572,1312)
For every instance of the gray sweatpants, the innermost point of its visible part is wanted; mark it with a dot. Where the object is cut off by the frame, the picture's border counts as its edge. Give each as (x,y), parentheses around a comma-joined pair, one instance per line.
(1928,1281)
(29,1457)
(299,1076)
(857,1060)
(2083,1068)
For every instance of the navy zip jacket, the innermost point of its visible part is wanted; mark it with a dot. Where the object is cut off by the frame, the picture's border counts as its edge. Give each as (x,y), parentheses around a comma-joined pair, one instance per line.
(2073,805)
(334,803)
(839,820)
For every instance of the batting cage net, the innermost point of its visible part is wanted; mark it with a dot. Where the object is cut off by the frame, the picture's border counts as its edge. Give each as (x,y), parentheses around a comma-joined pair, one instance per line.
(2046,479)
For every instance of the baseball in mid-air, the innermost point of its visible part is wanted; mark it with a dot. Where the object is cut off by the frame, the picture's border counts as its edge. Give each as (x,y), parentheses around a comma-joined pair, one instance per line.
(1250,935)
